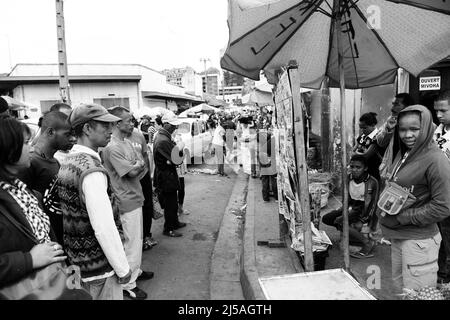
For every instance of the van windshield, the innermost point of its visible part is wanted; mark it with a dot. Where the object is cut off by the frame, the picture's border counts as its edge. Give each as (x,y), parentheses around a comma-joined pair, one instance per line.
(184,127)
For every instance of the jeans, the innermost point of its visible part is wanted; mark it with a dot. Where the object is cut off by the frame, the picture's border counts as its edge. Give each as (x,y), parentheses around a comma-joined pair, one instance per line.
(132,231)
(444,251)
(104,289)
(266,182)
(414,262)
(147,209)
(170,200)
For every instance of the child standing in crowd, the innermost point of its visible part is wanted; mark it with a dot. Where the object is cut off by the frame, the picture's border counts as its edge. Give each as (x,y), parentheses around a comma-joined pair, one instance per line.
(363,195)
(423,171)
(442,139)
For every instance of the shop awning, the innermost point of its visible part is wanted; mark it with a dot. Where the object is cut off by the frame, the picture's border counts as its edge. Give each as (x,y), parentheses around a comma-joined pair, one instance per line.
(166,95)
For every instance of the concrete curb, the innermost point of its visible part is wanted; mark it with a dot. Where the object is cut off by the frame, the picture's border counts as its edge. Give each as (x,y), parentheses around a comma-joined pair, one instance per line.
(249,272)
(225,282)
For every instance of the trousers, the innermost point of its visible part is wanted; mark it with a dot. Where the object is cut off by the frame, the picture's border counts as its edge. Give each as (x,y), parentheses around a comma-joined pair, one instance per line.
(170,202)
(132,231)
(444,251)
(414,262)
(181,192)
(104,289)
(147,209)
(266,182)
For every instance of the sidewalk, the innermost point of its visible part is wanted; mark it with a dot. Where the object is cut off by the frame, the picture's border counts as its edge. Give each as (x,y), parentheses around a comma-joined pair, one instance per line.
(262,224)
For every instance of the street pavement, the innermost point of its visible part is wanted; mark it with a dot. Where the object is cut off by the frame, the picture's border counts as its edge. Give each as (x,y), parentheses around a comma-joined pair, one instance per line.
(182,265)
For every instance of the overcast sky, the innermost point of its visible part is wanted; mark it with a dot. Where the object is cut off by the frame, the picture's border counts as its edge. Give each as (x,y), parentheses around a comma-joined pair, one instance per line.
(159,34)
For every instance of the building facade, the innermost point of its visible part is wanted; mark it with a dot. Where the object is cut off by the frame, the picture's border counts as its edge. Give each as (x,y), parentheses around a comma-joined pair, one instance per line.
(186,78)
(130,85)
(211,81)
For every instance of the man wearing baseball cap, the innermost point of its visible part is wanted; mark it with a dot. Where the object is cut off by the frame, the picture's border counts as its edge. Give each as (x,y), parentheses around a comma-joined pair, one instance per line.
(168,156)
(90,214)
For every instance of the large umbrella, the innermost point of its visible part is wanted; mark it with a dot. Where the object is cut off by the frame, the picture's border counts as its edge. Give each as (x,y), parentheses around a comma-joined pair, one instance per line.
(261,98)
(355,43)
(378,37)
(17,105)
(200,108)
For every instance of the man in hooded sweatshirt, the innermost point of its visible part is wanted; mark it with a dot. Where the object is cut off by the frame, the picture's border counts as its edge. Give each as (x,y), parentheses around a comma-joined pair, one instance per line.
(422,170)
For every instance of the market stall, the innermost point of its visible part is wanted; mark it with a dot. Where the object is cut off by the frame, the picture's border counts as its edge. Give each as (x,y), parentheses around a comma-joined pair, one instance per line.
(294,189)
(332,41)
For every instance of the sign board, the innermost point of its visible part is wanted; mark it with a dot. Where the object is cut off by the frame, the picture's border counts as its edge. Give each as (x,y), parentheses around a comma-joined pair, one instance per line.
(429,83)
(334,284)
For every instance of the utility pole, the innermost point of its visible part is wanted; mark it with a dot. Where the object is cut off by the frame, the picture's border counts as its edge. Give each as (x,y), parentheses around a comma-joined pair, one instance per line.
(204,60)
(62,57)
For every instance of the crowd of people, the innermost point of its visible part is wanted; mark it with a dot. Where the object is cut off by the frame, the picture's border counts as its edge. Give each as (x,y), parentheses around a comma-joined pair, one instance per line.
(399,181)
(82,192)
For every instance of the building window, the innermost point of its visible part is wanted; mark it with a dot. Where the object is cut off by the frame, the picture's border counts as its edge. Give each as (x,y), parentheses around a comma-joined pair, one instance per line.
(111,102)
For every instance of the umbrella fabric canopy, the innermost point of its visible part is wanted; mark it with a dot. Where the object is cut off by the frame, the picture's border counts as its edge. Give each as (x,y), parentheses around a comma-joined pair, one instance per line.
(152,112)
(258,97)
(266,34)
(15,104)
(200,108)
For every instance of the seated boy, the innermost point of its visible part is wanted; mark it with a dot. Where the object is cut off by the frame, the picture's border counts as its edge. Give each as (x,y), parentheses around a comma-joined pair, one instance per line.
(362,202)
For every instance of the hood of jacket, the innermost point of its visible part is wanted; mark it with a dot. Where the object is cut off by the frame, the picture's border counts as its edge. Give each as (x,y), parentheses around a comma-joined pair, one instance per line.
(427,127)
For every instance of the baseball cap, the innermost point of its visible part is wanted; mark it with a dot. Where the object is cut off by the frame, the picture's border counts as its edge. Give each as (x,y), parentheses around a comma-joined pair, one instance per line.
(170,117)
(85,112)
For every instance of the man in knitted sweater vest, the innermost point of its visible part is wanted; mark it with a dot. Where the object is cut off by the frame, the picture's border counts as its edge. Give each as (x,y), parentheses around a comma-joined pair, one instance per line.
(91,223)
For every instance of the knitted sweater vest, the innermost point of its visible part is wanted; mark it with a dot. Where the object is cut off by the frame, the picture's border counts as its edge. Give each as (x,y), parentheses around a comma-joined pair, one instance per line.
(80,243)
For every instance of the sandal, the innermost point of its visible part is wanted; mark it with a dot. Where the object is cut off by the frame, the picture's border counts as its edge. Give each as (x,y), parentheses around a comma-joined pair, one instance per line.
(361,255)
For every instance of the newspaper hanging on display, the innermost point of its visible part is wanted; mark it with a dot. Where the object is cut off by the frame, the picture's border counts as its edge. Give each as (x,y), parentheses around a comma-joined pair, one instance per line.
(288,180)
(287,173)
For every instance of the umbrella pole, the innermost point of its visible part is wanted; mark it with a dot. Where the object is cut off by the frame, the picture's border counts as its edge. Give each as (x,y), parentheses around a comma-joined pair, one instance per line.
(345,238)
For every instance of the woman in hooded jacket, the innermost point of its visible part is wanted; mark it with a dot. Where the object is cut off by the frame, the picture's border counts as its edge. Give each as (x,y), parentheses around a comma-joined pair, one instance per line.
(423,172)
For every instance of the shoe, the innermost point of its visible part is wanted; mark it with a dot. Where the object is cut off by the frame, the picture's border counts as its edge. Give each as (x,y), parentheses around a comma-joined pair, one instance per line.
(181,210)
(266,200)
(365,252)
(172,234)
(152,242)
(135,294)
(361,255)
(180,225)
(148,243)
(146,275)
(146,246)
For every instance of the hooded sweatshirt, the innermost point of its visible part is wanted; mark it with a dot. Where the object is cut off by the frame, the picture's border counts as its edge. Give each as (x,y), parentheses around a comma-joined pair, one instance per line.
(426,174)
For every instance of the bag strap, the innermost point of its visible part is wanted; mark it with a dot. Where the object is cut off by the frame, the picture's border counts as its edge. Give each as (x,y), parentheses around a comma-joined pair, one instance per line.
(19,226)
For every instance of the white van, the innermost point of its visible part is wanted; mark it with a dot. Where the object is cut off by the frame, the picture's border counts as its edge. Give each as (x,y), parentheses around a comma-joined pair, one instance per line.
(195,135)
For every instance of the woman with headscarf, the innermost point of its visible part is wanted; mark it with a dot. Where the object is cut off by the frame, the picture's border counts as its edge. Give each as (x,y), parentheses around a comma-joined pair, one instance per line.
(415,198)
